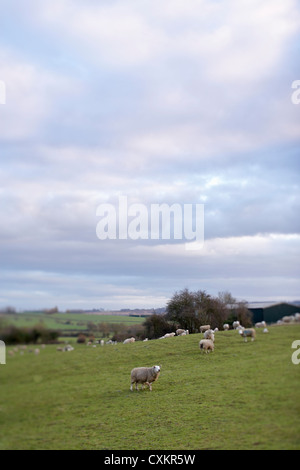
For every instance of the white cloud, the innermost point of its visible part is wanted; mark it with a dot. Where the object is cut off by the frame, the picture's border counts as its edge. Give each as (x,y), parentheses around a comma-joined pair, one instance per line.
(163,102)
(32,95)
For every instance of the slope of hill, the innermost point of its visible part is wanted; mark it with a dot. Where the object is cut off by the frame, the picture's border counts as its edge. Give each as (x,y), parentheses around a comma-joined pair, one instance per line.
(241,396)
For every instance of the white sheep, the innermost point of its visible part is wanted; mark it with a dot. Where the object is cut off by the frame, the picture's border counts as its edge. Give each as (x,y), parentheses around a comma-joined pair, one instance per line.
(225,327)
(206,345)
(144,376)
(129,340)
(260,324)
(204,328)
(209,334)
(249,332)
(235,324)
(181,332)
(169,335)
(288,319)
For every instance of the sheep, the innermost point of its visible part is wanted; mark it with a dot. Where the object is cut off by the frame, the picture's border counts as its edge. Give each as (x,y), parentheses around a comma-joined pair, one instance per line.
(288,319)
(144,376)
(204,328)
(209,334)
(225,327)
(129,340)
(169,335)
(265,330)
(181,332)
(261,324)
(250,332)
(206,345)
(235,324)
(65,348)
(36,351)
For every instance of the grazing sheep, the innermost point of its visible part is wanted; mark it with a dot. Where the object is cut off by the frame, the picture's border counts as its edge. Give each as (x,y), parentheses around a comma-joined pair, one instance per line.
(144,376)
(206,345)
(129,340)
(169,335)
(65,348)
(204,328)
(209,334)
(261,324)
(288,319)
(181,332)
(225,327)
(249,333)
(235,324)
(265,330)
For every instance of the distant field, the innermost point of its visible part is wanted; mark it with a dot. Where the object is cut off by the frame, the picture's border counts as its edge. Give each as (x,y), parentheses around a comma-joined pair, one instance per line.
(241,396)
(68,321)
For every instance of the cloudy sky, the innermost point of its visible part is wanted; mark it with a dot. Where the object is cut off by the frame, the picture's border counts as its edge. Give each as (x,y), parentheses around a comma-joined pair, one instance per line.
(173,102)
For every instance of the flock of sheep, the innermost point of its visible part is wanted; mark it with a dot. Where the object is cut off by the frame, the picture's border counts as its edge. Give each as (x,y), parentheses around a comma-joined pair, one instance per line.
(148,375)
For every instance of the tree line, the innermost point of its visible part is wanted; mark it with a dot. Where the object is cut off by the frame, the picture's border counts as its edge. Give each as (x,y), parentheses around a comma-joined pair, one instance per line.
(189,310)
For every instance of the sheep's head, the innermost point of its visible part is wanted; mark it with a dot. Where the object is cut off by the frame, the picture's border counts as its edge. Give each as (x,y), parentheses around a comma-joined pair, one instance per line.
(156,369)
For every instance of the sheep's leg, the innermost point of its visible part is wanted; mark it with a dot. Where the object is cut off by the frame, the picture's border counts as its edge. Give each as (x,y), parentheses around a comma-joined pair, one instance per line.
(149,385)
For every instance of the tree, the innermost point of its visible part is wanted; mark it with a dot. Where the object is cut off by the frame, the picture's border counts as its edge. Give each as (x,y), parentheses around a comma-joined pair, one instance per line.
(156,326)
(190,310)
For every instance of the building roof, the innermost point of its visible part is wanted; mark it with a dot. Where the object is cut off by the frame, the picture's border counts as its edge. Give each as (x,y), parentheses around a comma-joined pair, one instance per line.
(254,305)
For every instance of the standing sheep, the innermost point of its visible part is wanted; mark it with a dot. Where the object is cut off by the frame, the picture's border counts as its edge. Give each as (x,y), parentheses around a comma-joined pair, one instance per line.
(209,334)
(144,376)
(206,345)
(204,328)
(249,333)
(225,327)
(181,332)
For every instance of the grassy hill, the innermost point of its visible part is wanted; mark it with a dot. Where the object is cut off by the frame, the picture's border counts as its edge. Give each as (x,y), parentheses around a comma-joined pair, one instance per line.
(241,396)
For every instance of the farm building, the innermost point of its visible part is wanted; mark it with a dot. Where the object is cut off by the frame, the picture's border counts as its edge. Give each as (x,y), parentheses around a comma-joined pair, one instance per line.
(270,312)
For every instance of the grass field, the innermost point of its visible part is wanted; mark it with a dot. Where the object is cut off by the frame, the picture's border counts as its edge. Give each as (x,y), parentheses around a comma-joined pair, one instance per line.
(241,396)
(67,321)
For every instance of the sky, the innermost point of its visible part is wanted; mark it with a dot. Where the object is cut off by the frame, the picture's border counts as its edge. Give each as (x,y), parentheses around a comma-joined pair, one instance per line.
(173,102)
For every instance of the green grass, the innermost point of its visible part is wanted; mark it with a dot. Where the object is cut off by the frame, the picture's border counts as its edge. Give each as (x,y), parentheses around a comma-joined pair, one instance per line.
(67,321)
(241,396)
